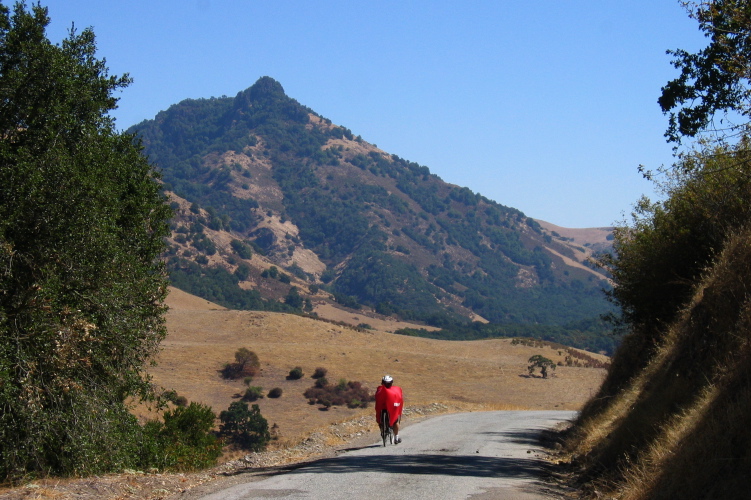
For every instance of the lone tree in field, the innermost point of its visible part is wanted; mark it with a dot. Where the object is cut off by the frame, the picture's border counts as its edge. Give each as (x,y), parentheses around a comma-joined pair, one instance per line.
(541,362)
(246,364)
(81,287)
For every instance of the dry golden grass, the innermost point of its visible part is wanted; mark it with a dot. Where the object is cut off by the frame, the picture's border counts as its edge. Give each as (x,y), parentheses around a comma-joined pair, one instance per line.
(487,374)
(679,428)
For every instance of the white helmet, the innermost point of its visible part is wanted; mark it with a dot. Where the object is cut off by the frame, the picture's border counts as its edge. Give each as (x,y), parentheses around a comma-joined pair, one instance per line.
(387,379)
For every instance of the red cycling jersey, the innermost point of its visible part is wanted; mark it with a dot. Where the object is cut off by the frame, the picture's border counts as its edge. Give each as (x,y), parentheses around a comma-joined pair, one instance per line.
(389,398)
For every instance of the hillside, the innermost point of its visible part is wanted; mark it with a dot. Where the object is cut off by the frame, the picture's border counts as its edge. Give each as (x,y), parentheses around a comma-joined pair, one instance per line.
(279,209)
(203,335)
(472,374)
(679,427)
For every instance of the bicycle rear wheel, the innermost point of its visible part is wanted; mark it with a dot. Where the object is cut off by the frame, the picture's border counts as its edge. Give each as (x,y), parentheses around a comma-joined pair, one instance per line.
(385,427)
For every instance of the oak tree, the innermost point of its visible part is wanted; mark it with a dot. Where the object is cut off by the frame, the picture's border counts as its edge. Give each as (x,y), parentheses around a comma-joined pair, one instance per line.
(82,221)
(541,362)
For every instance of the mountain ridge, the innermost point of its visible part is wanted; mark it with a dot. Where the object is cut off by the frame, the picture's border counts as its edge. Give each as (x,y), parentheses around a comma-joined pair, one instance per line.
(331,216)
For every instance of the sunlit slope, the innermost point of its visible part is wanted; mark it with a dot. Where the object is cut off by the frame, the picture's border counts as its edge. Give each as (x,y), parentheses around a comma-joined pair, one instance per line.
(490,373)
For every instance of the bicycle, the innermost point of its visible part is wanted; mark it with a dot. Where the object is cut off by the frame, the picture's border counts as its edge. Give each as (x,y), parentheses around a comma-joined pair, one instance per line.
(386,431)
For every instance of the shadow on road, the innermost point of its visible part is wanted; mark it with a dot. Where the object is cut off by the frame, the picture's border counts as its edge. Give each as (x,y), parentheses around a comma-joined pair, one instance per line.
(441,465)
(527,437)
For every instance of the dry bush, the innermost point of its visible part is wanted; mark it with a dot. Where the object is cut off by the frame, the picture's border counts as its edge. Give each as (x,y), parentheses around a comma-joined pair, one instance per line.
(351,394)
(246,365)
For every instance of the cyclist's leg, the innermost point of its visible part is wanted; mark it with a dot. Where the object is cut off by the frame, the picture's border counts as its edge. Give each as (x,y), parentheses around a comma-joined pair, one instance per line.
(397,439)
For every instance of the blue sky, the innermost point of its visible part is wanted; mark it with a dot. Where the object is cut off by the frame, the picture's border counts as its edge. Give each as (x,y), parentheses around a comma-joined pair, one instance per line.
(545,106)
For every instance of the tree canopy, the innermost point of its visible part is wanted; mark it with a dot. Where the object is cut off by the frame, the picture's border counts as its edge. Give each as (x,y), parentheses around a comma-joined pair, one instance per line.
(541,362)
(714,79)
(661,256)
(82,221)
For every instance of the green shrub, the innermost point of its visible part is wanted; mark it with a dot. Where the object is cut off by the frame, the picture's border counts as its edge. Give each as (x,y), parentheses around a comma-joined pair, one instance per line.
(242,272)
(241,249)
(253,393)
(295,373)
(276,392)
(245,427)
(319,373)
(169,395)
(663,253)
(183,441)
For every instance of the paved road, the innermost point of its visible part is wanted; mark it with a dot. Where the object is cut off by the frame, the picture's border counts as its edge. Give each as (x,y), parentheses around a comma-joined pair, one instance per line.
(480,455)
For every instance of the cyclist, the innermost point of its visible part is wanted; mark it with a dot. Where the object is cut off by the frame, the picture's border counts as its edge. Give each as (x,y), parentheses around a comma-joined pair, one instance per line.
(389,397)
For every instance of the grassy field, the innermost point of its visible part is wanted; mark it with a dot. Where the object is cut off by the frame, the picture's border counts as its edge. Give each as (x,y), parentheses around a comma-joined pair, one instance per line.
(487,374)
(437,376)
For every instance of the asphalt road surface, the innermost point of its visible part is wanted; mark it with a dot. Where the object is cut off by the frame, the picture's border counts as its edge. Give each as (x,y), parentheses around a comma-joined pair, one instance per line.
(478,456)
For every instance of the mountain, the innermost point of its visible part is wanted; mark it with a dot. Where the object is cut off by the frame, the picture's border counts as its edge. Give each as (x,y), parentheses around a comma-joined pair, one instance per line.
(277,208)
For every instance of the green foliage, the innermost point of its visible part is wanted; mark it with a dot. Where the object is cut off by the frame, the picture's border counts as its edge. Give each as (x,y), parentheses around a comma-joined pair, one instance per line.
(293,298)
(174,398)
(660,257)
(377,278)
(679,383)
(183,441)
(218,285)
(295,373)
(82,222)
(272,272)
(319,372)
(253,393)
(276,392)
(715,79)
(242,272)
(245,427)
(346,221)
(541,362)
(241,249)
(585,334)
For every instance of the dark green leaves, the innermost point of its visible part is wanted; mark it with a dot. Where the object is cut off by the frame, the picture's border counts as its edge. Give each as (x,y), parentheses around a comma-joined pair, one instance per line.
(81,227)
(714,79)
